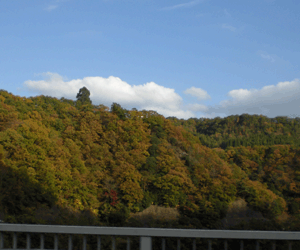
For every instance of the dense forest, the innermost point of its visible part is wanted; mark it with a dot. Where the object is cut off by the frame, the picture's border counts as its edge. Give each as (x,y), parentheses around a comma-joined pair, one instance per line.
(66,162)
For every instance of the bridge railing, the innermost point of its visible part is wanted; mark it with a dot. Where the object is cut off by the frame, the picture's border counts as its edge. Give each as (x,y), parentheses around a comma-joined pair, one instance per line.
(145,235)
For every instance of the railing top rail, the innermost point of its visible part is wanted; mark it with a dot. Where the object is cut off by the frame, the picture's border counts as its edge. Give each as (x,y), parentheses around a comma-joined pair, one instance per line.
(152,232)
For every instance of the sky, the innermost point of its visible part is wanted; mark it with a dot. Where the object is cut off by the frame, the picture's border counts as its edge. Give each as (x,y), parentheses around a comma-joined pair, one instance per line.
(181,58)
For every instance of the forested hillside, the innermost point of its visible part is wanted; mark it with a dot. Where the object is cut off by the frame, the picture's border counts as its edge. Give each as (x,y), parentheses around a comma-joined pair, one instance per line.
(74,163)
(243,130)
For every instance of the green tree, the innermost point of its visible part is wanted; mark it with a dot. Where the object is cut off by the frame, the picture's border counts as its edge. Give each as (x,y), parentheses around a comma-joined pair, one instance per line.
(83,96)
(118,110)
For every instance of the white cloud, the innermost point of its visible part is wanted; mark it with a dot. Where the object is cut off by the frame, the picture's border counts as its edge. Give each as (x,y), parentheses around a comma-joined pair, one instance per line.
(149,96)
(197,92)
(182,5)
(267,56)
(280,100)
(51,7)
(229,27)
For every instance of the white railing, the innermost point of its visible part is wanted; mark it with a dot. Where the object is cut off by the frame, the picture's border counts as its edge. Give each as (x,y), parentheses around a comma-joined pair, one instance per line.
(145,235)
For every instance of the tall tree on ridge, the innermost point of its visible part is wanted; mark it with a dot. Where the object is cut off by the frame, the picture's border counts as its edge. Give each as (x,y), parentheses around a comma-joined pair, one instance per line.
(83,96)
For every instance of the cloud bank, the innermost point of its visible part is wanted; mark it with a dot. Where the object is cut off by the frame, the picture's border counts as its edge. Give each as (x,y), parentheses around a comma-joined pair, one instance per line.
(148,96)
(271,101)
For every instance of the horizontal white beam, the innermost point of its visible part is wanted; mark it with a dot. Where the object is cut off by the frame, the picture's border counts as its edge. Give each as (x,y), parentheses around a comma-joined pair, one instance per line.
(151,232)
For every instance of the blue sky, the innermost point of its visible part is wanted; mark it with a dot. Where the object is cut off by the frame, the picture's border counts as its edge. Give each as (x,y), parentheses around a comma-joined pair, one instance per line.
(181,58)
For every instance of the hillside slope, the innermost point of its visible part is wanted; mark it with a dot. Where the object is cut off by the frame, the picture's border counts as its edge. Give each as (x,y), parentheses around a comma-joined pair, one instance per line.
(62,159)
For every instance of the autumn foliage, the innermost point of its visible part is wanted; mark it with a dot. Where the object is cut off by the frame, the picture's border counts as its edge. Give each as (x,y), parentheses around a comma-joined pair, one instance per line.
(73,157)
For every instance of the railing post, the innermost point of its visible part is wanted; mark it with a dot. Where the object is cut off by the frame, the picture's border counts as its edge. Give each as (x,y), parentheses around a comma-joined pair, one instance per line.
(194,244)
(84,242)
(290,245)
(242,245)
(98,242)
(113,243)
(225,245)
(70,242)
(128,243)
(163,242)
(28,241)
(1,240)
(56,242)
(15,241)
(145,243)
(209,244)
(273,245)
(178,244)
(257,245)
(42,241)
